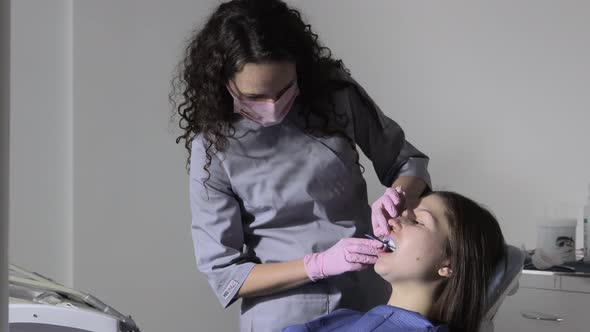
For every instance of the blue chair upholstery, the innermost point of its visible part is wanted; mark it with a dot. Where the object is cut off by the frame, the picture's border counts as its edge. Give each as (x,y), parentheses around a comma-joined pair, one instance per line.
(504,282)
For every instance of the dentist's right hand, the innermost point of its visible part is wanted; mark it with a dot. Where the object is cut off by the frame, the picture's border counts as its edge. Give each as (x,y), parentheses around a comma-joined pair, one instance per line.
(350,254)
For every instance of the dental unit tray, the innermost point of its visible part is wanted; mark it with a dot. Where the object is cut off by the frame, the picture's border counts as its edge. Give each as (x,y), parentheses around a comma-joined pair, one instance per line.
(36,301)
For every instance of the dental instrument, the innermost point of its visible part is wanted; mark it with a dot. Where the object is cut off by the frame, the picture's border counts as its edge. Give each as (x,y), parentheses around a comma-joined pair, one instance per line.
(388,242)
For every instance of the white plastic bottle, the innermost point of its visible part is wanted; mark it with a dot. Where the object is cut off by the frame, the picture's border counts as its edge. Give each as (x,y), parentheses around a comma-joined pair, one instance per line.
(586,221)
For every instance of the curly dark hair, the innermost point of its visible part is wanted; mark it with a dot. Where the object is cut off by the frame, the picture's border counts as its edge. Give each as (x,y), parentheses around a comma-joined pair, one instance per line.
(252,31)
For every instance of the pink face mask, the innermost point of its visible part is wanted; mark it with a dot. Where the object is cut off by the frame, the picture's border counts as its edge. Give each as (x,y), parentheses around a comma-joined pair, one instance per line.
(266,113)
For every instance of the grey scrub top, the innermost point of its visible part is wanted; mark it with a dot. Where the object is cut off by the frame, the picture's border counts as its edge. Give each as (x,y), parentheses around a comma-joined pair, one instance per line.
(277,194)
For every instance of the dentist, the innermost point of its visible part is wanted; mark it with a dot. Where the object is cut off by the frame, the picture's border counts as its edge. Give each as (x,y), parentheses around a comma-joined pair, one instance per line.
(271,123)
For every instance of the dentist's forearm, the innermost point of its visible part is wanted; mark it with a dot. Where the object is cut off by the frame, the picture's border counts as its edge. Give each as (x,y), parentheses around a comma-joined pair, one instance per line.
(272,278)
(412,186)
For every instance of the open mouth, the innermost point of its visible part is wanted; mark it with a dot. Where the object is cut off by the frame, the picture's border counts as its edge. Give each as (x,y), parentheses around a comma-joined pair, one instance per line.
(389,244)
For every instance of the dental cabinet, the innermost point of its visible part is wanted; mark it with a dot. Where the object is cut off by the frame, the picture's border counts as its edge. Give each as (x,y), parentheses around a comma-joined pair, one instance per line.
(547,301)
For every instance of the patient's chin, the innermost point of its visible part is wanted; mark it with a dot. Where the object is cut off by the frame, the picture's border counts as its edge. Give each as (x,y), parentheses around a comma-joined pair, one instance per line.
(382,268)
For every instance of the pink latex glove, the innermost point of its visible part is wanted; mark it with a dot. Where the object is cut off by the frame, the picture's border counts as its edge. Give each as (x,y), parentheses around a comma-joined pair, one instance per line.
(388,206)
(347,255)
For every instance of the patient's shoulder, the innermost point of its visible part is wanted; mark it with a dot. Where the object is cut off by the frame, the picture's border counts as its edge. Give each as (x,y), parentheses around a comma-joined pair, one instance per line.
(385,318)
(339,320)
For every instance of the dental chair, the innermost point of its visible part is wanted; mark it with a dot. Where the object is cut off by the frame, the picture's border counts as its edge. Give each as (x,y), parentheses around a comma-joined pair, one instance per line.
(504,283)
(37,303)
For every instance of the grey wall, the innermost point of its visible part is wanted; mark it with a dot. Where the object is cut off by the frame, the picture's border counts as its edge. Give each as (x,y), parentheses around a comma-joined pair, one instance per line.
(132,245)
(4,164)
(40,138)
(495,92)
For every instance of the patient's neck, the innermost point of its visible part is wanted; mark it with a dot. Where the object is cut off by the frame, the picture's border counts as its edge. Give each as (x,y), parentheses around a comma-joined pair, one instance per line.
(414,296)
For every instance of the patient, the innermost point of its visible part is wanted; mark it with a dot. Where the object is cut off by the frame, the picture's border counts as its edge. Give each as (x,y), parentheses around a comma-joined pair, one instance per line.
(447,249)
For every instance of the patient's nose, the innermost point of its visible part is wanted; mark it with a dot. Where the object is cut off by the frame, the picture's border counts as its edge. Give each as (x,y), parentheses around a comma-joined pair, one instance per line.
(395,224)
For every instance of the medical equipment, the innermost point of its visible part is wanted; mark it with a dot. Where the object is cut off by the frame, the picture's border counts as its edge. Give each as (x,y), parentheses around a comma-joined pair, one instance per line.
(543,260)
(388,242)
(37,302)
(556,238)
(586,221)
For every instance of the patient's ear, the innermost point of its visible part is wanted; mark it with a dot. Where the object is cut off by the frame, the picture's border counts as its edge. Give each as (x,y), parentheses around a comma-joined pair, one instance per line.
(445,269)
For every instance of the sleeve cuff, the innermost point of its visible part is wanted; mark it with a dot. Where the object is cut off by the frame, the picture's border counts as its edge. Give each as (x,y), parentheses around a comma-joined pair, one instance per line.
(416,167)
(228,287)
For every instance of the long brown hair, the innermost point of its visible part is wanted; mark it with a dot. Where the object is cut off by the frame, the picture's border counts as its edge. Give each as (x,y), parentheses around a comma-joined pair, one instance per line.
(475,246)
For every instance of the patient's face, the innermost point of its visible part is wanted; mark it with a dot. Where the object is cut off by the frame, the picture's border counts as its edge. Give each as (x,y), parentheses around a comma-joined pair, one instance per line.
(420,236)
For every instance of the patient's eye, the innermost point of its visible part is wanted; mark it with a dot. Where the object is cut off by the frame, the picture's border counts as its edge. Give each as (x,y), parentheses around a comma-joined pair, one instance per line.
(417,223)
